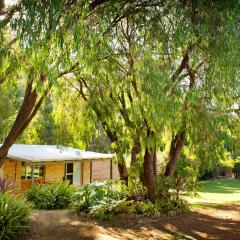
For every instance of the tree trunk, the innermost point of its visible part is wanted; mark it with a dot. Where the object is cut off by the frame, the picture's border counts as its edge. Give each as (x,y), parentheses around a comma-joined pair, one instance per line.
(136,149)
(148,170)
(155,159)
(176,148)
(27,111)
(21,121)
(123,171)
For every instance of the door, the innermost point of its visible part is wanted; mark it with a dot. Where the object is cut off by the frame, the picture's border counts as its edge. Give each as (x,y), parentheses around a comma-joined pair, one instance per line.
(77,173)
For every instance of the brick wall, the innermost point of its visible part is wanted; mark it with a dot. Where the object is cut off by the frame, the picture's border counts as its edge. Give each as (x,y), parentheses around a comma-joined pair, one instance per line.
(13,169)
(54,172)
(101,170)
(25,184)
(115,172)
(85,172)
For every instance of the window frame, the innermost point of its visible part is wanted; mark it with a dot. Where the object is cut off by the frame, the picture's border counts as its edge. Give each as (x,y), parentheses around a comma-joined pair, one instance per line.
(69,174)
(26,173)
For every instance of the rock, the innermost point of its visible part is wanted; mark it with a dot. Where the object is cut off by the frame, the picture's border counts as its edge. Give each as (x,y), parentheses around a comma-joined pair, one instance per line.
(156,215)
(178,211)
(172,213)
(83,214)
(122,215)
(131,215)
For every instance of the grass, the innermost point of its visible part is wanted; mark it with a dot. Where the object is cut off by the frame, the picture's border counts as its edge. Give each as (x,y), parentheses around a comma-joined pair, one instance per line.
(215,193)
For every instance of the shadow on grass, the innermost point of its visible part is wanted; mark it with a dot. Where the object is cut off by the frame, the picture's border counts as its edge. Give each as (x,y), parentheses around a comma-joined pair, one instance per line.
(220,206)
(189,226)
(221,186)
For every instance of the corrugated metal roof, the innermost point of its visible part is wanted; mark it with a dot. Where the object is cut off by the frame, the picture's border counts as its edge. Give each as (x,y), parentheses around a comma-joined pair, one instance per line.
(52,153)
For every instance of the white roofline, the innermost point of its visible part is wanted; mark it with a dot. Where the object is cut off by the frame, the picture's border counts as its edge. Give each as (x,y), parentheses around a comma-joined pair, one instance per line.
(51,153)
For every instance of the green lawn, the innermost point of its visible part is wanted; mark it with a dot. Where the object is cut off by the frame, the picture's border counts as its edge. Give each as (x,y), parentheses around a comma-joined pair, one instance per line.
(218,192)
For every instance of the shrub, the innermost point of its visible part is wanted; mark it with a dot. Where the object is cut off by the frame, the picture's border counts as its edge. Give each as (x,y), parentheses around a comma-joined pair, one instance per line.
(50,196)
(146,208)
(14,211)
(106,199)
(107,208)
(90,195)
(171,189)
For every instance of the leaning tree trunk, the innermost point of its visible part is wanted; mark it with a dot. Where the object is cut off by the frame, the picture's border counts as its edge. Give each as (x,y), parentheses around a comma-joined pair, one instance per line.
(24,116)
(178,141)
(27,111)
(176,148)
(148,169)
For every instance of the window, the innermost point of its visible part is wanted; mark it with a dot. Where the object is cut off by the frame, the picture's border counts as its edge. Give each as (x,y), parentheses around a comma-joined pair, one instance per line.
(69,172)
(27,171)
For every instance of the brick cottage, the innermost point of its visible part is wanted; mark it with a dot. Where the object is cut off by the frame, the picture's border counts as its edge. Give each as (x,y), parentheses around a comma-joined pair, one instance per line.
(37,164)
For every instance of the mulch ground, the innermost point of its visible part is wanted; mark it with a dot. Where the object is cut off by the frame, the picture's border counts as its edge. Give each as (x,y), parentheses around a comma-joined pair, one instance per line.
(222,223)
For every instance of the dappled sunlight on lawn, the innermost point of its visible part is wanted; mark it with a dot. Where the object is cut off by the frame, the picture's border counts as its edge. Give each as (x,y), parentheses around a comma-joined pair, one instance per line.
(218,192)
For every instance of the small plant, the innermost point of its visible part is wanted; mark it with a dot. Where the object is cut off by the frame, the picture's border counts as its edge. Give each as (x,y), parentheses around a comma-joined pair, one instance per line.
(14,211)
(50,196)
(7,184)
(146,208)
(107,208)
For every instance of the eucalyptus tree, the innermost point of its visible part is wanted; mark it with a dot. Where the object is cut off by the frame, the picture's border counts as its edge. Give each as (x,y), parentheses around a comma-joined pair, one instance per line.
(143,67)
(38,28)
(139,82)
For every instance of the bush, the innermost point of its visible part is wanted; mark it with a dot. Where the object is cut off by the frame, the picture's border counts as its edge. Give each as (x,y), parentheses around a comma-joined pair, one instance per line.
(146,208)
(107,208)
(106,199)
(14,211)
(171,189)
(90,195)
(50,196)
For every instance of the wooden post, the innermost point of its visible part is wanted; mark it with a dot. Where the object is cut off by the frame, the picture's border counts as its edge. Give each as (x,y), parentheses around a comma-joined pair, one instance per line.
(90,171)
(65,172)
(32,175)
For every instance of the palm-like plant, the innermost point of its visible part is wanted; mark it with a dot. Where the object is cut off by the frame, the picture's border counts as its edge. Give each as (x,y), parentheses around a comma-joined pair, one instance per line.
(14,212)
(7,184)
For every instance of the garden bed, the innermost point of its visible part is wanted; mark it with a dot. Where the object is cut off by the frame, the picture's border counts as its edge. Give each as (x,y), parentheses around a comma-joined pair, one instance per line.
(215,224)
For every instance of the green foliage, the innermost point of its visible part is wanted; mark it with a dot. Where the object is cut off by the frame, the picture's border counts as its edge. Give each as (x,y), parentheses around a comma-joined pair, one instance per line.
(171,189)
(168,196)
(185,177)
(105,200)
(127,74)
(107,208)
(90,195)
(50,196)
(146,208)
(108,199)
(14,211)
